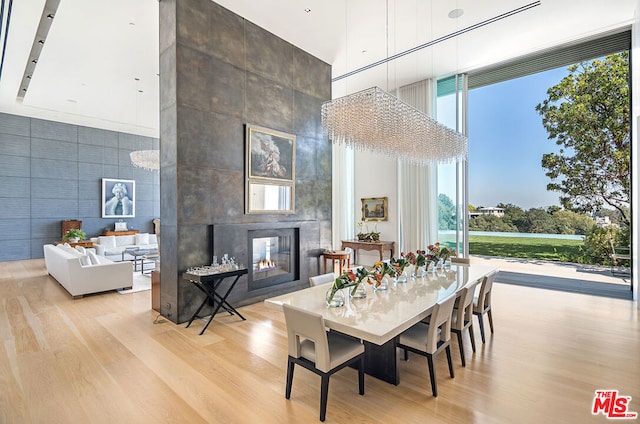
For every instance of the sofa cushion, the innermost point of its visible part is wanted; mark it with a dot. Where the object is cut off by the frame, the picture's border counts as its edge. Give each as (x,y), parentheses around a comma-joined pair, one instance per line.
(107,241)
(142,238)
(97,259)
(93,258)
(85,261)
(69,249)
(125,240)
(81,250)
(153,239)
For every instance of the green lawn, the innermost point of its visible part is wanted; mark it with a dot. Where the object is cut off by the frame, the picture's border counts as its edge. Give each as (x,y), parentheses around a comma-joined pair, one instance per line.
(548,249)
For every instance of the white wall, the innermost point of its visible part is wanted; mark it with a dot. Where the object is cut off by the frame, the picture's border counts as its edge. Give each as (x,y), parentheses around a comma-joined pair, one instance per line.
(376,176)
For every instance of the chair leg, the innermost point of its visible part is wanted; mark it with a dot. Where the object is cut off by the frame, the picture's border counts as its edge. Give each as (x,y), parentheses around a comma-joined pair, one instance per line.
(448,351)
(432,374)
(406,354)
(490,320)
(480,321)
(361,375)
(324,390)
(289,378)
(473,338)
(461,346)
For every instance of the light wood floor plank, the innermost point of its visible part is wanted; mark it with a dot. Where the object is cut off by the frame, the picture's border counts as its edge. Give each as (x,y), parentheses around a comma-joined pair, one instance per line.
(101,359)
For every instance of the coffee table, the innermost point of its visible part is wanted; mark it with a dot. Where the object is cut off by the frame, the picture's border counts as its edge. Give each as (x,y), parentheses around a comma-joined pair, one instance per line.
(139,256)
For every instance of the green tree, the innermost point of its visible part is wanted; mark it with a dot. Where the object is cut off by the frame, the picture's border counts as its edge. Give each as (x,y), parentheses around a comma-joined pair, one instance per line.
(446,213)
(514,216)
(539,221)
(569,222)
(588,115)
(491,223)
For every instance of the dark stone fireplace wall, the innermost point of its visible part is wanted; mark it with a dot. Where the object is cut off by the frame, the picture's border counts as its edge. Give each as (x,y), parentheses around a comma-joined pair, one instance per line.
(219,72)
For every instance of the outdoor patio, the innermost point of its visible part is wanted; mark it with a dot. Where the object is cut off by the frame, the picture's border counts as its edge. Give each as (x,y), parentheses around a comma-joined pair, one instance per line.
(576,278)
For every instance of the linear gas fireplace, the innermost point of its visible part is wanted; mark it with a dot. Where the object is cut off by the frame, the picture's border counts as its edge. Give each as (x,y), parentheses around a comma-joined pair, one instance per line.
(273,257)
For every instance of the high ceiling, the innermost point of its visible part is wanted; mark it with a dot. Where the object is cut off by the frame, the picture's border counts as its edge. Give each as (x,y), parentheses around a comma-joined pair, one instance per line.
(99,62)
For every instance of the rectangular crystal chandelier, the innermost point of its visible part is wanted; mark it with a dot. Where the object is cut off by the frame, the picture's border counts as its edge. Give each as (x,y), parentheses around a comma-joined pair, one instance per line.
(375,120)
(146,159)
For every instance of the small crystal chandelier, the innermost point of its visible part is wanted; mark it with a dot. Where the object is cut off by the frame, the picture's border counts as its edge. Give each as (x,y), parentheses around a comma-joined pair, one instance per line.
(146,159)
(375,120)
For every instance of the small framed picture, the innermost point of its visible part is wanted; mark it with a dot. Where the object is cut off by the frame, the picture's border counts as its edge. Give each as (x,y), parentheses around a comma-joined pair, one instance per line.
(118,198)
(375,209)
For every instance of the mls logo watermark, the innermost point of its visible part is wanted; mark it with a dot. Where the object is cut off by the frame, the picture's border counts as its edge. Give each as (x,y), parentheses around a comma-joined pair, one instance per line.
(612,405)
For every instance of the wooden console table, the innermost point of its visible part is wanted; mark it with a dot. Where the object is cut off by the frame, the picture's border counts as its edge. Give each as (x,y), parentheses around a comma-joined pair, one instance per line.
(380,246)
(121,233)
(83,243)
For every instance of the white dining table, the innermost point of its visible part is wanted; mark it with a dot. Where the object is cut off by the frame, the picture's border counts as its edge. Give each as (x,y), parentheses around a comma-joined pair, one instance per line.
(383,315)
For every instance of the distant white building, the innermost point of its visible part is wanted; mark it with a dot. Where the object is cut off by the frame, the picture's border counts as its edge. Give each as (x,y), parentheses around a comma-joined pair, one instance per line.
(604,222)
(499,212)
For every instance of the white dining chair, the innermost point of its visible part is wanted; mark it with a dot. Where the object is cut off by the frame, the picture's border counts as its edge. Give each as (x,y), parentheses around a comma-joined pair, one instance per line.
(318,351)
(431,339)
(462,318)
(455,260)
(482,303)
(322,279)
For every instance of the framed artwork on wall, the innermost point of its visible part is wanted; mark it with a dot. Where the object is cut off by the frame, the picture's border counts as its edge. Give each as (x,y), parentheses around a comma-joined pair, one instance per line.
(118,198)
(270,171)
(270,154)
(375,209)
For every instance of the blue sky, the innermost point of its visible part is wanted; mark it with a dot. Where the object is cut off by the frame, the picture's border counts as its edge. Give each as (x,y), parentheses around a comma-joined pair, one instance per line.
(507,141)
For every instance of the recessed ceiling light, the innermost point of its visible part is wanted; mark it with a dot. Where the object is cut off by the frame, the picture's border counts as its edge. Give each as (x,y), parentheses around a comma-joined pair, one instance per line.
(136,78)
(50,16)
(456,13)
(132,23)
(34,61)
(307,10)
(72,101)
(28,76)
(40,41)
(364,51)
(140,91)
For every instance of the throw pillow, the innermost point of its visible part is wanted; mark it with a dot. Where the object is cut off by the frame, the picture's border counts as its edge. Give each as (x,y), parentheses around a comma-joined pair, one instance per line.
(84,260)
(142,238)
(71,250)
(93,258)
(81,250)
(109,242)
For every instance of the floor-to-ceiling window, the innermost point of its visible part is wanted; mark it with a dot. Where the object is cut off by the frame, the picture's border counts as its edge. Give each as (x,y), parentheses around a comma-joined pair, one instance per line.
(451,177)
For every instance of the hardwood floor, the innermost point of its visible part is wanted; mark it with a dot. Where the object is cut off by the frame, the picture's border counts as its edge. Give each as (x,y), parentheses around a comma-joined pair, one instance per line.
(102,359)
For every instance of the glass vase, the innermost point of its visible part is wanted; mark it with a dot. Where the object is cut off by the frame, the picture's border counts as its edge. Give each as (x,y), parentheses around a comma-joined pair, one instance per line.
(384,284)
(336,300)
(418,272)
(358,292)
(402,277)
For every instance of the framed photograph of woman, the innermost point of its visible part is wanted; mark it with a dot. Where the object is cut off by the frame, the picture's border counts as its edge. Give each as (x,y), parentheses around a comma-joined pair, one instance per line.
(118,198)
(375,209)
(270,154)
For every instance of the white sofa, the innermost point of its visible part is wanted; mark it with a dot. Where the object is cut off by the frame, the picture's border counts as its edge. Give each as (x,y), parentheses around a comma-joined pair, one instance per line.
(112,247)
(83,274)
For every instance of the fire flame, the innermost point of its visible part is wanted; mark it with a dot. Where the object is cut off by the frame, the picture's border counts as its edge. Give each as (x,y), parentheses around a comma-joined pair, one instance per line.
(264,265)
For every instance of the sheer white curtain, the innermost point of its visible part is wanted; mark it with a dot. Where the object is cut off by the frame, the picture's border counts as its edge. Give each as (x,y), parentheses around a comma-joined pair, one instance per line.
(417,185)
(343,209)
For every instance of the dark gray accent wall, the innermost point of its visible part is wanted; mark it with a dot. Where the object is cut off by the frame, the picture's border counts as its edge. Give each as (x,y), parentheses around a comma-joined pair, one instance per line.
(52,171)
(219,72)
